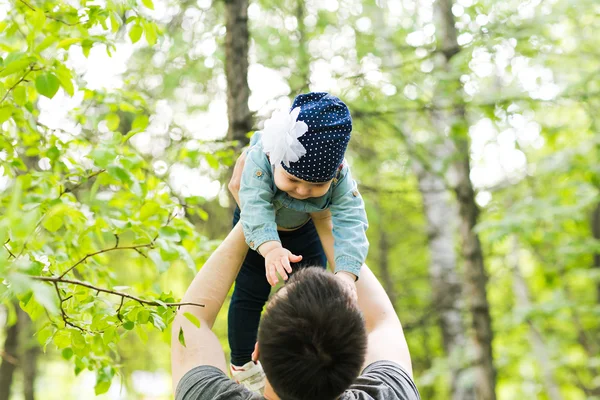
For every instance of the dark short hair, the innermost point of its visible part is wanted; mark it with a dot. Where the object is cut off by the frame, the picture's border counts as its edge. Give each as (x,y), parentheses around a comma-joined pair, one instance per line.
(312,338)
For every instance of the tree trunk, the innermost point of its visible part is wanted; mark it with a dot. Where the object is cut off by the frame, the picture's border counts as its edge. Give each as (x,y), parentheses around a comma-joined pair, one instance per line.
(476,280)
(384,259)
(9,359)
(236,70)
(441,214)
(454,121)
(540,350)
(596,235)
(28,354)
(301,85)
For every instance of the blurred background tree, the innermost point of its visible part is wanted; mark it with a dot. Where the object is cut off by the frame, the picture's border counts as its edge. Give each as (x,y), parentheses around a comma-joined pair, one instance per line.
(475,145)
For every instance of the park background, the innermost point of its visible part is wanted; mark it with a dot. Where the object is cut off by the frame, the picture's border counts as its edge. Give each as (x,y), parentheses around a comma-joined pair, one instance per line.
(476,148)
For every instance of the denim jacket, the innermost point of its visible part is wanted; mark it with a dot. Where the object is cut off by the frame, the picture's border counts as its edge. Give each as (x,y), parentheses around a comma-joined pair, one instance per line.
(264,207)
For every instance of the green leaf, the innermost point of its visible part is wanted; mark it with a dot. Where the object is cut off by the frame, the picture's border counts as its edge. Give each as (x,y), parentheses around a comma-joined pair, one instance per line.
(212,161)
(135,33)
(103,379)
(66,43)
(66,79)
(15,66)
(161,265)
(148,210)
(45,335)
(62,339)
(158,322)
(148,3)
(120,173)
(39,19)
(67,353)
(115,21)
(129,325)
(112,121)
(143,316)
(5,113)
(53,153)
(77,340)
(192,318)
(46,297)
(181,337)
(47,42)
(103,157)
(109,335)
(14,56)
(185,257)
(202,214)
(19,95)
(150,30)
(47,84)
(167,251)
(169,233)
(102,387)
(140,122)
(53,222)
(133,313)
(138,125)
(86,46)
(15,200)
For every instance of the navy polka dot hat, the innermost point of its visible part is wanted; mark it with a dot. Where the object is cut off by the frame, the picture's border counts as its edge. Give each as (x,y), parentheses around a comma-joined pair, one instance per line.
(329,126)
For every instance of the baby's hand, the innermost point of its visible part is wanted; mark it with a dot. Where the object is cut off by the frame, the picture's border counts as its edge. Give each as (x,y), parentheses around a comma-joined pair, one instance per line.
(278,261)
(348,280)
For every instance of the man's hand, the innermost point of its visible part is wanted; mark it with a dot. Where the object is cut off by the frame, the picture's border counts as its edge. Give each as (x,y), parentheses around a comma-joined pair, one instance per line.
(348,280)
(277,261)
(236,177)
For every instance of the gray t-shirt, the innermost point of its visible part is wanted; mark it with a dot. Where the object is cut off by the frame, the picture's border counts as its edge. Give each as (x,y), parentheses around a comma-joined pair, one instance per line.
(382,380)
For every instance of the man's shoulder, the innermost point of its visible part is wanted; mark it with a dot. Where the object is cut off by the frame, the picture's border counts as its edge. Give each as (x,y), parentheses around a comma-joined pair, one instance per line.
(383,380)
(206,382)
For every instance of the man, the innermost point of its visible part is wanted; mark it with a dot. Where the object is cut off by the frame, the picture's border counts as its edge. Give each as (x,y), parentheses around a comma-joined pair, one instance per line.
(313,341)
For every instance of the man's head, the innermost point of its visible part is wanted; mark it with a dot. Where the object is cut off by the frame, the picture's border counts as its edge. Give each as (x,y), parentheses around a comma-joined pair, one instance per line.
(312,338)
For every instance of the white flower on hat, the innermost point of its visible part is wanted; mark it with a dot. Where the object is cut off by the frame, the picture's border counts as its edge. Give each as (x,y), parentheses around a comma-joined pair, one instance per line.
(280,137)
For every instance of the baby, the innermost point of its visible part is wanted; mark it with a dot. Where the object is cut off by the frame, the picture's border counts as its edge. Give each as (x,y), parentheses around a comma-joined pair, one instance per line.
(294,169)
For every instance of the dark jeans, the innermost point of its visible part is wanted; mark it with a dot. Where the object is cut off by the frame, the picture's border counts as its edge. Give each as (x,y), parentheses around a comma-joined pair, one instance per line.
(252,289)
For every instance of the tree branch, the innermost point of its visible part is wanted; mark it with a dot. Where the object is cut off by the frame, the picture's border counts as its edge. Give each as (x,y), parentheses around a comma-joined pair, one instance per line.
(10,253)
(428,106)
(31,68)
(48,15)
(136,247)
(44,216)
(64,315)
(72,189)
(56,279)
(8,358)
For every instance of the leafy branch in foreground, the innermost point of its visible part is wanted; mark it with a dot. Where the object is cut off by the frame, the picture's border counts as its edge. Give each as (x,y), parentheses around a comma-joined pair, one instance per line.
(56,280)
(48,15)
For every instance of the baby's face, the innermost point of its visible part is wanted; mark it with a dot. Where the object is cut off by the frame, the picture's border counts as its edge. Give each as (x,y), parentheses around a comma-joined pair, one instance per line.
(297,188)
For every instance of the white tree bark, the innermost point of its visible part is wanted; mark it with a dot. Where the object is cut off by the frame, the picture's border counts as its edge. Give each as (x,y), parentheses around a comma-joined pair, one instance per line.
(451,125)
(536,340)
(442,215)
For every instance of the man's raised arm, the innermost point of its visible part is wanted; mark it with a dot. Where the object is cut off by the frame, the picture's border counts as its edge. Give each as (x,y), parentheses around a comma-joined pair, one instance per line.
(386,337)
(209,287)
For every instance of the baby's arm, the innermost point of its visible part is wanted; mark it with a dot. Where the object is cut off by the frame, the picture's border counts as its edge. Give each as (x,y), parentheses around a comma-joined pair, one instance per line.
(349,221)
(277,260)
(324,226)
(258,216)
